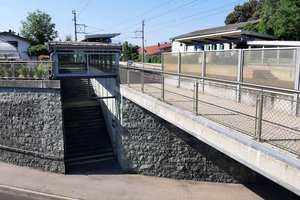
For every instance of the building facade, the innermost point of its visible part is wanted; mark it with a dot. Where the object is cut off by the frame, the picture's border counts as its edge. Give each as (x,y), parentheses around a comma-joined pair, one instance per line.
(218,38)
(20,43)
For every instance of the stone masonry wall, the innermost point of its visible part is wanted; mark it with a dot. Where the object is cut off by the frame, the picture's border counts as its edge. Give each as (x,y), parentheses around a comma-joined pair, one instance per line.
(150,145)
(31,130)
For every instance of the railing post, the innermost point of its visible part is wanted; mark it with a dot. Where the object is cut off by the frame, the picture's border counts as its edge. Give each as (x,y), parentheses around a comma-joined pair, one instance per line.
(88,63)
(239,74)
(89,85)
(128,77)
(142,81)
(203,71)
(162,95)
(179,68)
(296,83)
(259,115)
(196,95)
(13,70)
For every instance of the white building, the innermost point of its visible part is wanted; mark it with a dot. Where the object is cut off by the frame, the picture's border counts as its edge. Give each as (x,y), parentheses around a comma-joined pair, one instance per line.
(8,52)
(217,38)
(21,44)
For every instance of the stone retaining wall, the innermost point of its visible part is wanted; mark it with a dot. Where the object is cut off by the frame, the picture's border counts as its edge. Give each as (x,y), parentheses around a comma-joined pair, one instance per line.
(31,128)
(150,145)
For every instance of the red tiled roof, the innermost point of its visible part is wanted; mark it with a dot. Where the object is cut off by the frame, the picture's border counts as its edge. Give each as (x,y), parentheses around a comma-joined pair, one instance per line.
(155,49)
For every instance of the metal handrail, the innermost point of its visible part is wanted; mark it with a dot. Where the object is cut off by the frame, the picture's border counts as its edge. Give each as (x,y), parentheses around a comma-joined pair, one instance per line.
(264,87)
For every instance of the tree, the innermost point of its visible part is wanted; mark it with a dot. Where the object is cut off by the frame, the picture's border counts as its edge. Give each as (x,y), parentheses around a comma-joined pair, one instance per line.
(281,18)
(38,27)
(242,13)
(130,52)
(277,17)
(36,50)
(68,38)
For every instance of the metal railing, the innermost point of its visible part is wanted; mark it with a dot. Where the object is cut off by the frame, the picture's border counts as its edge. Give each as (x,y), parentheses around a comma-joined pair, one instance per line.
(25,70)
(275,67)
(266,113)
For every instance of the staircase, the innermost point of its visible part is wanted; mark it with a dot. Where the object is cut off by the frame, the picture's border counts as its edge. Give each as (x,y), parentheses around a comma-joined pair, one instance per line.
(86,137)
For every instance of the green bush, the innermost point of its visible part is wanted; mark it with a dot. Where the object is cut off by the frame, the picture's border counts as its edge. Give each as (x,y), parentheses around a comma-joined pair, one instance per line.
(25,72)
(36,50)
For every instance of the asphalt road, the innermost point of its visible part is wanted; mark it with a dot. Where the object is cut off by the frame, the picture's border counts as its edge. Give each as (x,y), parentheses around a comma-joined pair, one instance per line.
(9,195)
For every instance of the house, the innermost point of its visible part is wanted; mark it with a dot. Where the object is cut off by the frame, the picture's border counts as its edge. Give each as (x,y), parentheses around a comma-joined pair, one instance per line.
(103,38)
(156,49)
(20,43)
(8,52)
(217,38)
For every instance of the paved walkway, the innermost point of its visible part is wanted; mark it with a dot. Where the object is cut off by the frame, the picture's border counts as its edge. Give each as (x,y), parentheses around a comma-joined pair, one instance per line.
(121,186)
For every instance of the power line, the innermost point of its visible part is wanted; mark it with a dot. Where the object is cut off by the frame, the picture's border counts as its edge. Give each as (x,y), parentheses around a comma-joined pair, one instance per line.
(183,6)
(141,14)
(189,21)
(195,14)
(84,7)
(78,5)
(172,10)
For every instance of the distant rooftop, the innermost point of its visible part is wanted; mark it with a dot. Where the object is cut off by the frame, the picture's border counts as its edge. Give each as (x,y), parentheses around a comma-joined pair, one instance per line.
(13,34)
(156,49)
(227,32)
(83,45)
(105,38)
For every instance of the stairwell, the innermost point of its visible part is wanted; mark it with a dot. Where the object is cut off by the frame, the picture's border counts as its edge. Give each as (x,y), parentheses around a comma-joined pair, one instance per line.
(86,137)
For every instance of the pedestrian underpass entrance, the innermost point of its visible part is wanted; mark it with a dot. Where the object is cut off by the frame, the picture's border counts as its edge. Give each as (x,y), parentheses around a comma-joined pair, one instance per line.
(85,132)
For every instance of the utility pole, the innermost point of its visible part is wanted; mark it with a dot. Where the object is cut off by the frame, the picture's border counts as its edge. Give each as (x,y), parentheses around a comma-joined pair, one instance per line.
(75,23)
(79,28)
(143,42)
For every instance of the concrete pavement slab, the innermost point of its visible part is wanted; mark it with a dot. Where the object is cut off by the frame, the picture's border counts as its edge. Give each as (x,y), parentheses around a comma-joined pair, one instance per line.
(119,186)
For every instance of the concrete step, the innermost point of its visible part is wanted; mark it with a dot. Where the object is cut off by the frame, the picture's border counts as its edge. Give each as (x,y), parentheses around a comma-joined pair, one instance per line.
(87,139)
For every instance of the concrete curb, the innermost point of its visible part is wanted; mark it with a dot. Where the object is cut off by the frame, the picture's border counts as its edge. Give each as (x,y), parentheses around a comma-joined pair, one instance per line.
(34,193)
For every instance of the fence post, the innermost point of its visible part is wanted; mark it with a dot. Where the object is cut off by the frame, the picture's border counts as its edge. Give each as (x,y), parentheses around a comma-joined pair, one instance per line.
(196,94)
(259,115)
(203,71)
(239,74)
(296,83)
(179,68)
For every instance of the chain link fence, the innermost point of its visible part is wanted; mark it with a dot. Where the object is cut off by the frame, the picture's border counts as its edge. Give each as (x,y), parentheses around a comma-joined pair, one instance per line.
(263,114)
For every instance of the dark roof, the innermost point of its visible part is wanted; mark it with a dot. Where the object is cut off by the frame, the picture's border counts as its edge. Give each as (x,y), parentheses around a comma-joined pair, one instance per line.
(84,45)
(106,35)
(16,36)
(220,29)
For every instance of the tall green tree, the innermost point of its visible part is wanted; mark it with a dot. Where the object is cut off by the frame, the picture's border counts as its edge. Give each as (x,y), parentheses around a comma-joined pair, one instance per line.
(130,52)
(38,27)
(249,10)
(281,18)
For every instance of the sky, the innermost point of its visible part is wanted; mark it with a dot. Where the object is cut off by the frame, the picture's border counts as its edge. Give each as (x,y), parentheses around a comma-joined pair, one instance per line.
(164,19)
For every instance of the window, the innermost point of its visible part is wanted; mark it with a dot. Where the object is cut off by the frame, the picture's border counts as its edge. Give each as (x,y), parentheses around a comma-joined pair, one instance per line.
(14,43)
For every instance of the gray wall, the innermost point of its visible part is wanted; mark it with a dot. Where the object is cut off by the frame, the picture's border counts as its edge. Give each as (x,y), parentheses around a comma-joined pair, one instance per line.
(150,145)
(31,128)
(146,144)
